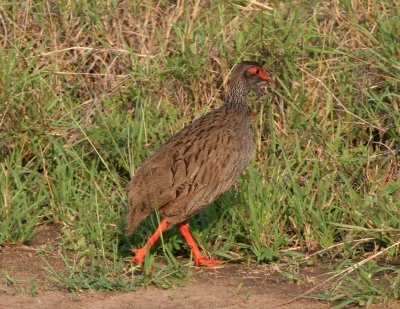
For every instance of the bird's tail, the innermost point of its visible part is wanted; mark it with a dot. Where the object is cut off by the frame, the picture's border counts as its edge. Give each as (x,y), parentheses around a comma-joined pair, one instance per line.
(133,219)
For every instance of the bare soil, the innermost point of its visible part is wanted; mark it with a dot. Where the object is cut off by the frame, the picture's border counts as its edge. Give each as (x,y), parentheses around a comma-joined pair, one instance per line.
(22,274)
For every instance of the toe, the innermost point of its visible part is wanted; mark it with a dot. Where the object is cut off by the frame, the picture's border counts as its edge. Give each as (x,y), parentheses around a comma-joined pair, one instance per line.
(207,263)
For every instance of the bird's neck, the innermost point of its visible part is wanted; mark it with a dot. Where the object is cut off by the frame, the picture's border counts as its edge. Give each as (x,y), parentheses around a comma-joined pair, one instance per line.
(236,96)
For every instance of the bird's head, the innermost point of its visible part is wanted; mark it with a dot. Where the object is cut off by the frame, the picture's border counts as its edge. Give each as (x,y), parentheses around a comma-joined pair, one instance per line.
(249,74)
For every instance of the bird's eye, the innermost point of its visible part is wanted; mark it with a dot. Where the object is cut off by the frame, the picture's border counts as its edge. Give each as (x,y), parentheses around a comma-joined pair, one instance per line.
(257,71)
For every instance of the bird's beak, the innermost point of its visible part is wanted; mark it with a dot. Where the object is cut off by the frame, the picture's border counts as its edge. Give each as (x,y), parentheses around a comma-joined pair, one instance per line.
(264,76)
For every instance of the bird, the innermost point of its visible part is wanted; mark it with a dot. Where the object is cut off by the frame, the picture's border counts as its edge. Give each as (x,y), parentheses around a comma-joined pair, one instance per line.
(196,165)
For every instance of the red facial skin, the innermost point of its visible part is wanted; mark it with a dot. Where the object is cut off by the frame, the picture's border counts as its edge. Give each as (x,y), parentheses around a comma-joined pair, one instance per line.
(261,74)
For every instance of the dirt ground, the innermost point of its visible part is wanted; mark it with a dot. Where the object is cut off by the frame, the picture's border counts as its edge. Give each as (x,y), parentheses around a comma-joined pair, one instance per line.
(230,286)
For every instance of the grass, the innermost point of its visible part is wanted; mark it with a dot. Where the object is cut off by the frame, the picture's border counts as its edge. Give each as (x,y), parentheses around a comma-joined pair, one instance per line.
(88,91)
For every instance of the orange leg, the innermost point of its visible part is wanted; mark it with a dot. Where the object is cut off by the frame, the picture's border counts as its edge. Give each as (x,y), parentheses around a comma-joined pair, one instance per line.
(141,253)
(199,259)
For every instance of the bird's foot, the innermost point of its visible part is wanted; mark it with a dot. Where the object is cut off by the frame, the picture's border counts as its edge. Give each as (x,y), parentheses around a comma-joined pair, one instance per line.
(140,254)
(203,261)
(138,259)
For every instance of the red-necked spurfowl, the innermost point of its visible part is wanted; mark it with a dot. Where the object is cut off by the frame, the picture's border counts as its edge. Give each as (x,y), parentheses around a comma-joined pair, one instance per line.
(197,164)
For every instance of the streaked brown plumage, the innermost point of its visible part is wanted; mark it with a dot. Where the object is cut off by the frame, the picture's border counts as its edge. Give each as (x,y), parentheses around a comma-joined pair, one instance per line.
(200,162)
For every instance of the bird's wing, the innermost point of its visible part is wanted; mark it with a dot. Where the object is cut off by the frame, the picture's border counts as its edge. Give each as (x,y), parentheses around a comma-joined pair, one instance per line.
(187,163)
(205,159)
